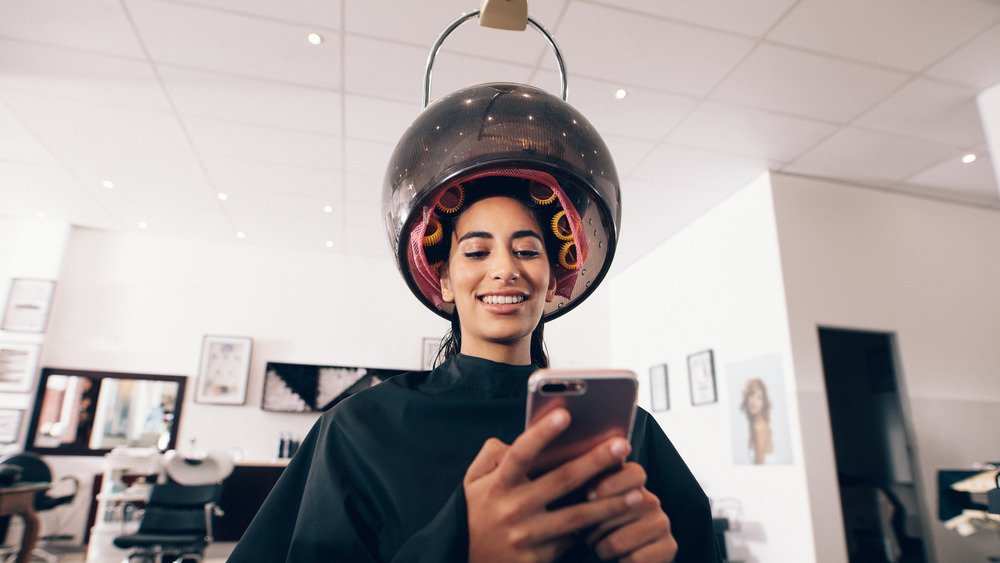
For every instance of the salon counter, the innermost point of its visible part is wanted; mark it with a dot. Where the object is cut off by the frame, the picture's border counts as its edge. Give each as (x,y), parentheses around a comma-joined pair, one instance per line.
(243,492)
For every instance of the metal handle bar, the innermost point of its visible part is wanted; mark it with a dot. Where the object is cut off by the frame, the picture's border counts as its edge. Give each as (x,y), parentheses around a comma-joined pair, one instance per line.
(475,13)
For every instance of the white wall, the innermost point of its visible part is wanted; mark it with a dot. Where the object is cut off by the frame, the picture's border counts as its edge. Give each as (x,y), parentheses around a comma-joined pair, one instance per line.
(140,303)
(717,285)
(927,271)
(28,250)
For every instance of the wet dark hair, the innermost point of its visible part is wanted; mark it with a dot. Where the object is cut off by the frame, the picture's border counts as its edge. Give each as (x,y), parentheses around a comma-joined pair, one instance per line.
(516,189)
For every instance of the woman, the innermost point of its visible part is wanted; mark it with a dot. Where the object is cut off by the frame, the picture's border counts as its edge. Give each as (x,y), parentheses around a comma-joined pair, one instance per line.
(431,466)
(757,407)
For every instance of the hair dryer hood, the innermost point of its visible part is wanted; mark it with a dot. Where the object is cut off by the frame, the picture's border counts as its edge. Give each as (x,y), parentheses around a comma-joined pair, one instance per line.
(494,127)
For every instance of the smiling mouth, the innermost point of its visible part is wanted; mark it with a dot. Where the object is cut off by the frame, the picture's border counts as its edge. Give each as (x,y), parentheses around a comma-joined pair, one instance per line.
(501,299)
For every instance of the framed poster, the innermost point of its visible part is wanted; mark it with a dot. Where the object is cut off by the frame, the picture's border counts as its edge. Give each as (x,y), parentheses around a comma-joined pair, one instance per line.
(312,388)
(18,366)
(659,388)
(10,425)
(28,305)
(225,369)
(701,373)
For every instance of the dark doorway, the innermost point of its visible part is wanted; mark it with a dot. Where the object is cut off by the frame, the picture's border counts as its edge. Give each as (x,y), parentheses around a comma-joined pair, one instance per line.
(878,490)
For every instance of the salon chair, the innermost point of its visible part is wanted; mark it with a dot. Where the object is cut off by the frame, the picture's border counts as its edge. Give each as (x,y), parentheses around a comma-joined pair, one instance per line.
(35,470)
(176,524)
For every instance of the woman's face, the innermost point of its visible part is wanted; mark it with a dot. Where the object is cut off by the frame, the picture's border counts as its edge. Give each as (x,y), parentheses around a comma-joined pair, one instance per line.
(498,276)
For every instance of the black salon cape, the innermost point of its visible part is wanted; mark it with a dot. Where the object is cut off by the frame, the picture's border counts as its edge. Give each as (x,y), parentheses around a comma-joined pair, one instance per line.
(379,477)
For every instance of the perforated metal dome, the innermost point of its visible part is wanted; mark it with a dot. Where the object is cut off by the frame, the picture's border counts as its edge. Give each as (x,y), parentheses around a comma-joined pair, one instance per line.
(491,129)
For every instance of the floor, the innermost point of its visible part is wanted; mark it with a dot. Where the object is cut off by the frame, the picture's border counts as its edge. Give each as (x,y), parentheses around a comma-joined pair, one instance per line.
(216,553)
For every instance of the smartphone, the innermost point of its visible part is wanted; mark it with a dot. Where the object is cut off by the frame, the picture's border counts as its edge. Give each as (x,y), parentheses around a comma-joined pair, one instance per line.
(601,404)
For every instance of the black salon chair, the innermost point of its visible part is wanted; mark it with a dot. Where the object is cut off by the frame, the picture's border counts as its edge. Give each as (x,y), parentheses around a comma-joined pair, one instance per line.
(176,523)
(35,470)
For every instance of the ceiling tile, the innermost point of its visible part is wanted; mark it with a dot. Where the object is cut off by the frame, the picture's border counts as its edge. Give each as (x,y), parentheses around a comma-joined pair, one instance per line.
(99,26)
(178,220)
(318,13)
(644,51)
(871,158)
(957,178)
(793,82)
(975,63)
(17,143)
(364,188)
(367,157)
(257,102)
(123,165)
(377,120)
(232,43)
(903,34)
(84,76)
(627,153)
(228,173)
(749,132)
(748,18)
(931,110)
(643,114)
(67,123)
(221,138)
(673,165)
(420,24)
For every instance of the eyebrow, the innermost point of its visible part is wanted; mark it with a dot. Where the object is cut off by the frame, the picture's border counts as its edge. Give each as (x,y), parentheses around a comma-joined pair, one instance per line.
(486,235)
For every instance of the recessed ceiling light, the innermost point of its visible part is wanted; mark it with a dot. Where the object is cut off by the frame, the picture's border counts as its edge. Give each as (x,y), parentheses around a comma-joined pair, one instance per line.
(108,184)
(143,225)
(223,197)
(620,94)
(241,234)
(40,214)
(969,158)
(329,244)
(328,208)
(314,38)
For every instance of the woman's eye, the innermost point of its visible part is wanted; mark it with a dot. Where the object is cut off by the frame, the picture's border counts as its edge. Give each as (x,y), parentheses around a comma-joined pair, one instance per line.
(527,253)
(476,254)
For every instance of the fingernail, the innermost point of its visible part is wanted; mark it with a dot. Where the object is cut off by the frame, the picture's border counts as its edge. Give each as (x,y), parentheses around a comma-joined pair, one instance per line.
(619,448)
(633,499)
(558,419)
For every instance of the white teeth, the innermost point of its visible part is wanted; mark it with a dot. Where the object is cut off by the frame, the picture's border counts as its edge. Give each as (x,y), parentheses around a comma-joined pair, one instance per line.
(502,299)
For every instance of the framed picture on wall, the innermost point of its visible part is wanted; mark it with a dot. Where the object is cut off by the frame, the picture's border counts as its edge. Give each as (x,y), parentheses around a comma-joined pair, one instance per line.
(659,388)
(28,305)
(701,373)
(18,366)
(10,425)
(224,371)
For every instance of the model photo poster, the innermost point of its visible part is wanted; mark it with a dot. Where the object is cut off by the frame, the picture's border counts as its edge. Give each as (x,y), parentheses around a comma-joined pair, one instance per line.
(759,417)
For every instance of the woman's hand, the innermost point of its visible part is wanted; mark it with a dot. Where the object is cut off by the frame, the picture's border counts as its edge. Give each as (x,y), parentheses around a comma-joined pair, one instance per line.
(640,535)
(508,519)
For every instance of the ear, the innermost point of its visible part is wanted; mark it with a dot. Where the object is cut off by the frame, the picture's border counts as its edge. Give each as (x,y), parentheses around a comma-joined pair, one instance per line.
(550,294)
(446,294)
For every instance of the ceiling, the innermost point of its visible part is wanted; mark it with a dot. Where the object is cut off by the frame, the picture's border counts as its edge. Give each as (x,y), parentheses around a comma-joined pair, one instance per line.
(172,103)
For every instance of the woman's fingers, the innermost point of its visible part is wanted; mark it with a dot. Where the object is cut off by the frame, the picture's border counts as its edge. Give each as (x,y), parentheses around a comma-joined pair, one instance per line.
(525,449)
(576,473)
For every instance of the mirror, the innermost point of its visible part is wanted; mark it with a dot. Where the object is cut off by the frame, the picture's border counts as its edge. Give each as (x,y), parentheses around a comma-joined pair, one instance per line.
(91,412)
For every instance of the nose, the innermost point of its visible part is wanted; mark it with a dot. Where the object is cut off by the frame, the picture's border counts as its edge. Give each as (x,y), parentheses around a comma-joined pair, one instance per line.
(504,267)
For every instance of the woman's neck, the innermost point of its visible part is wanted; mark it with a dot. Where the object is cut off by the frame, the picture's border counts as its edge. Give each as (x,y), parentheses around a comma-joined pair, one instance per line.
(517,354)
